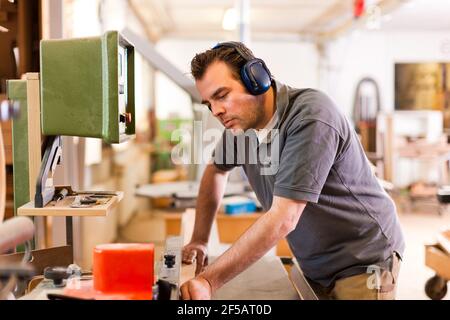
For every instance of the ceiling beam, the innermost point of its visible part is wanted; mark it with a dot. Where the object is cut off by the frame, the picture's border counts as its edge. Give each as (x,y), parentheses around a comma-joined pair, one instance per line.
(159,62)
(349,22)
(154,17)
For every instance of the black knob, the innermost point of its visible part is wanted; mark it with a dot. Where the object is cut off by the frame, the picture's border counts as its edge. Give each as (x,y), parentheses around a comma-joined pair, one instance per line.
(169,260)
(164,290)
(57,274)
(125,118)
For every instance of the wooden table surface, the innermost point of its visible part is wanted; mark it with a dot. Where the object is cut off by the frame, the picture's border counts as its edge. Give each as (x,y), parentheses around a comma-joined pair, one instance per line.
(266,279)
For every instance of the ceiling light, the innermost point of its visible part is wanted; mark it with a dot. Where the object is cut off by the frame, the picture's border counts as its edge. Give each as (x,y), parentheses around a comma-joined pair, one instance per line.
(229,21)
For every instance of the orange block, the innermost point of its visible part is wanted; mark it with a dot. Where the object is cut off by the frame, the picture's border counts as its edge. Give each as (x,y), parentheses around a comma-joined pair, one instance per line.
(120,268)
(120,272)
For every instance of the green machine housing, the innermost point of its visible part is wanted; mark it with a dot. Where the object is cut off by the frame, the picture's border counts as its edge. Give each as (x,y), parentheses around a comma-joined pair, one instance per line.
(87,87)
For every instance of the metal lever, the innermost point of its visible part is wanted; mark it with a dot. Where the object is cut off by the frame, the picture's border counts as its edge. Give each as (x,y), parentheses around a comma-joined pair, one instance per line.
(52,157)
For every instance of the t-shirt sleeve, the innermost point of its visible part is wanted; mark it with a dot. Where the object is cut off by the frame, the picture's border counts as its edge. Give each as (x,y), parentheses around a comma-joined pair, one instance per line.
(224,155)
(307,157)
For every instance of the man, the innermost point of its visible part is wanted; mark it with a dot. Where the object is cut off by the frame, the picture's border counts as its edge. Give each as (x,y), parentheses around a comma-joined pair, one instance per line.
(323,197)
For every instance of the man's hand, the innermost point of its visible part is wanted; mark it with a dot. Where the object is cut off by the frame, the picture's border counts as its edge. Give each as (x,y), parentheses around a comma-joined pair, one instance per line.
(196,289)
(196,251)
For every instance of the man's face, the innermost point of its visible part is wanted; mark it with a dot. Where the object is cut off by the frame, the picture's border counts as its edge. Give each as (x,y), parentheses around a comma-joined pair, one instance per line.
(228,99)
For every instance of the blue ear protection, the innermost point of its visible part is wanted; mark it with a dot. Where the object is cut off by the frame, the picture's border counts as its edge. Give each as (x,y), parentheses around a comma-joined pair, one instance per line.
(254,74)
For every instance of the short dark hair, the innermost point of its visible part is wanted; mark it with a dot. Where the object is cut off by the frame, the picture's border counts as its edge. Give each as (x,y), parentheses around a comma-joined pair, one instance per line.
(230,56)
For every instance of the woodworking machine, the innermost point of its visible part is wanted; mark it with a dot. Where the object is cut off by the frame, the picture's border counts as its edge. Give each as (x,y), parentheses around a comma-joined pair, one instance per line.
(85,88)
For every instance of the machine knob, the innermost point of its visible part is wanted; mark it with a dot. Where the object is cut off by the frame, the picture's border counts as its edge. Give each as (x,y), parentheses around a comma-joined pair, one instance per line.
(57,274)
(125,117)
(169,260)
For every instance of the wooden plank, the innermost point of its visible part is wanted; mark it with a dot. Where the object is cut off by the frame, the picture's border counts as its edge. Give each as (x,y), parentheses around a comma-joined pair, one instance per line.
(9,210)
(283,249)
(34,130)
(173,224)
(438,260)
(6,129)
(300,283)
(59,256)
(266,279)
(63,209)
(231,227)
(444,241)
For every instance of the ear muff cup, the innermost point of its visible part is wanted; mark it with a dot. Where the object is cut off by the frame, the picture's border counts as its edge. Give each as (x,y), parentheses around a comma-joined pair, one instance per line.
(256,77)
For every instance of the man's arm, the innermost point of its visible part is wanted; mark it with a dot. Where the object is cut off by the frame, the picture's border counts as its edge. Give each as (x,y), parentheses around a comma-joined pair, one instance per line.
(263,235)
(212,188)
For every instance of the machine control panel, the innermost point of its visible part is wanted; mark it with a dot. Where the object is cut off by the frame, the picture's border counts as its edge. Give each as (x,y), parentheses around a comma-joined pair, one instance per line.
(87,87)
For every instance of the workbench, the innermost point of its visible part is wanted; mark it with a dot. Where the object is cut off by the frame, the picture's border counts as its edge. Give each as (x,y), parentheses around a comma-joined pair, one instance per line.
(266,279)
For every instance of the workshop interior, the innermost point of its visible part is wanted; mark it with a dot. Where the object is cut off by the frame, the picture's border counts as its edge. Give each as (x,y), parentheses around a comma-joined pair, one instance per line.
(97,96)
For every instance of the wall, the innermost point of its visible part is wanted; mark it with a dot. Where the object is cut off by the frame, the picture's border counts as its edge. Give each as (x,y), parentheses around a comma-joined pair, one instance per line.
(294,63)
(374,54)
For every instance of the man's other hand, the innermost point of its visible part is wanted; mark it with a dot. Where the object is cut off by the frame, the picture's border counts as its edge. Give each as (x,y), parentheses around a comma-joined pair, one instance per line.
(196,251)
(196,289)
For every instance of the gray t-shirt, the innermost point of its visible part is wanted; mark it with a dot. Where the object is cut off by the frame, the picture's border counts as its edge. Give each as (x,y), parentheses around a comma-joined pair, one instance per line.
(349,222)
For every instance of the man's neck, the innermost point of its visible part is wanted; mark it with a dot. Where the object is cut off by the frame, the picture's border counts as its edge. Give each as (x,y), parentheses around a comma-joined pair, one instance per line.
(269,106)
